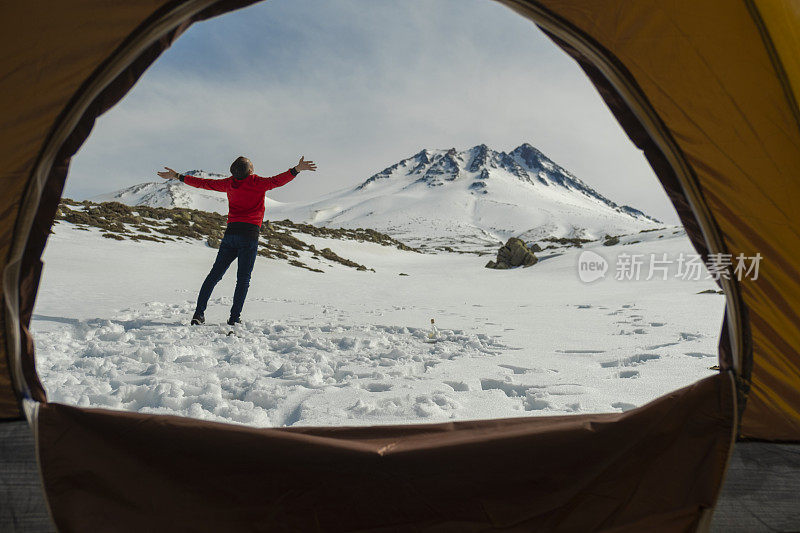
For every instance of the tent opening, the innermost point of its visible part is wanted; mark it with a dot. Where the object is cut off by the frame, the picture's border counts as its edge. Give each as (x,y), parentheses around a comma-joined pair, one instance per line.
(461,253)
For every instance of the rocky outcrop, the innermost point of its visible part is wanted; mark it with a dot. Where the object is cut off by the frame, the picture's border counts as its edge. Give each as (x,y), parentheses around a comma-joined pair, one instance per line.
(278,239)
(576,242)
(513,253)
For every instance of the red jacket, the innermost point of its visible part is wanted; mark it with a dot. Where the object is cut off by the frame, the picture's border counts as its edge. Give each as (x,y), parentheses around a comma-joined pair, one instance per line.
(245,196)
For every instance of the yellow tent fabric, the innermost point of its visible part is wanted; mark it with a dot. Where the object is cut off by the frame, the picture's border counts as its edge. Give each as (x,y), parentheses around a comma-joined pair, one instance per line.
(707,72)
(47,50)
(718,83)
(722,77)
(776,371)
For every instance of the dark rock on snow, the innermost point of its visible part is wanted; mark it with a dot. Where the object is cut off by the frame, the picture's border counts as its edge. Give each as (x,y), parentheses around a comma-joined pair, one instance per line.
(513,253)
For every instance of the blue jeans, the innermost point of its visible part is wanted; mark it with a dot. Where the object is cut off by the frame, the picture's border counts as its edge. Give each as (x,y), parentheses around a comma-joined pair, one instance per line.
(232,247)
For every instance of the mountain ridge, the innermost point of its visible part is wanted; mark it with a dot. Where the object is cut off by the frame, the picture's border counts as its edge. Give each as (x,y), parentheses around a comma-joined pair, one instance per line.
(519,162)
(437,198)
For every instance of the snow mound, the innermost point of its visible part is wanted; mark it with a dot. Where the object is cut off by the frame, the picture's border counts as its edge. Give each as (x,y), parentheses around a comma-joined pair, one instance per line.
(149,361)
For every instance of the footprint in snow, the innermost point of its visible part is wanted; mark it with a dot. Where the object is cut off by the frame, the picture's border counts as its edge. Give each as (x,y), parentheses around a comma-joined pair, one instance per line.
(458,386)
(532,403)
(516,369)
(512,390)
(631,361)
(378,387)
(636,331)
(624,406)
(657,346)
(566,389)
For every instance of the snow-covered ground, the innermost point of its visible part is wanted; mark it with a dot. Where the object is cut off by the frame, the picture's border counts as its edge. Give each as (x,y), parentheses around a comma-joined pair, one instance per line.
(347,347)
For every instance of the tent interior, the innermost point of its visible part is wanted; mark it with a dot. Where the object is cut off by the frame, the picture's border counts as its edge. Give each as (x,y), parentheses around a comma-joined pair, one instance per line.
(707,91)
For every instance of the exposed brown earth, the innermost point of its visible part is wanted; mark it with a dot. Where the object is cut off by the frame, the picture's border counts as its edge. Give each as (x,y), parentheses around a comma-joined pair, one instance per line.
(277,241)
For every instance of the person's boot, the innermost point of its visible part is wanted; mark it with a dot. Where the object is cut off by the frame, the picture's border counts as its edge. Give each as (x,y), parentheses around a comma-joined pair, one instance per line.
(198,319)
(233,321)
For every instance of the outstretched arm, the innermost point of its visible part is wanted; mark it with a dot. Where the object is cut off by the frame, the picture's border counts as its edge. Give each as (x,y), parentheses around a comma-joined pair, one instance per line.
(200,183)
(285,177)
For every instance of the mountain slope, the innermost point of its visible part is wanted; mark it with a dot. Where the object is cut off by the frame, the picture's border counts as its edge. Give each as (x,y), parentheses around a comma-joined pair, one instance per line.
(435,198)
(473,198)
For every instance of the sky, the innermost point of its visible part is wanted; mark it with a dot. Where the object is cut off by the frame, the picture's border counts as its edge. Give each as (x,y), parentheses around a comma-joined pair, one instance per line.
(357,85)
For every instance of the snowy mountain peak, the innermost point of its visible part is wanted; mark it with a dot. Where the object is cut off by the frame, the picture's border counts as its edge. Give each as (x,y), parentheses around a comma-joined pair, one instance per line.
(526,163)
(479,157)
(437,167)
(526,150)
(472,198)
(205,174)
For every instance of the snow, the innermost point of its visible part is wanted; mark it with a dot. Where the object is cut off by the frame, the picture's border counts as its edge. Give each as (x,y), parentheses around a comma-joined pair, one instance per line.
(471,200)
(468,200)
(349,348)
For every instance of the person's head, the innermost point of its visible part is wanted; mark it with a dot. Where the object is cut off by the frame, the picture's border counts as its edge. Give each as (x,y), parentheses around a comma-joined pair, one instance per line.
(241,168)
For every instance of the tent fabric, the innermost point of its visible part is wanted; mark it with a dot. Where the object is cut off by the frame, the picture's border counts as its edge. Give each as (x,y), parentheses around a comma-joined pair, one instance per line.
(721,79)
(40,77)
(705,68)
(667,176)
(707,72)
(778,24)
(761,490)
(656,468)
(42,84)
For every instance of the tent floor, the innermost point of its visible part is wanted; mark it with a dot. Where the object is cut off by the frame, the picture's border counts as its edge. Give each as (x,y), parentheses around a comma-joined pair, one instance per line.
(22,505)
(761,492)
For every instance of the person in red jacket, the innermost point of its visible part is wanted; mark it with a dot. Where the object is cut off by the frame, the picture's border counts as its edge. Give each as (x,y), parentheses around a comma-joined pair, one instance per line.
(245,192)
